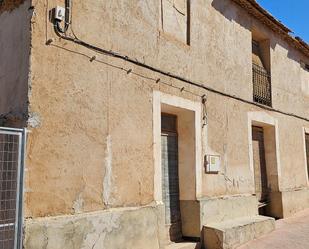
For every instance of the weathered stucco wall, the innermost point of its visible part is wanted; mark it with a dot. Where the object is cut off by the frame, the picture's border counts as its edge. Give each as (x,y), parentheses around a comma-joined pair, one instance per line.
(98,230)
(89,121)
(14,61)
(91,141)
(89,114)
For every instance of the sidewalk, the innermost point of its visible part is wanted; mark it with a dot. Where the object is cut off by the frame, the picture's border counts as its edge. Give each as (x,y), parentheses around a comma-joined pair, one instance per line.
(291,233)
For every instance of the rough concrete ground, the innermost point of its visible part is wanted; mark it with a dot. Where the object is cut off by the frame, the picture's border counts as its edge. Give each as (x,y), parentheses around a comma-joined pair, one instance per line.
(290,233)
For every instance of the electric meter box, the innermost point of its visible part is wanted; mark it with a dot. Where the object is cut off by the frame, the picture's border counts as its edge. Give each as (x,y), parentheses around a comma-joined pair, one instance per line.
(212,163)
(59,13)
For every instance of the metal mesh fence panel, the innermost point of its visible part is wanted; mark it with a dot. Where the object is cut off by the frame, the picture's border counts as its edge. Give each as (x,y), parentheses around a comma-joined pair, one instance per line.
(10,149)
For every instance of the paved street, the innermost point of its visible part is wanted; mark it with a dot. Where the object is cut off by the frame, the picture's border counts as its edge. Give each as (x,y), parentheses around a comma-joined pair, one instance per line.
(291,233)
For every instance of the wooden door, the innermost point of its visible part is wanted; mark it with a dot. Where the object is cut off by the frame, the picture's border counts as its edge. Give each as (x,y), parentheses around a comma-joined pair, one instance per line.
(307,151)
(170,176)
(260,173)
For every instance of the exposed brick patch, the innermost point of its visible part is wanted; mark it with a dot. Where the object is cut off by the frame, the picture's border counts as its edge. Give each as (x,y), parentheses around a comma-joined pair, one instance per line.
(9,5)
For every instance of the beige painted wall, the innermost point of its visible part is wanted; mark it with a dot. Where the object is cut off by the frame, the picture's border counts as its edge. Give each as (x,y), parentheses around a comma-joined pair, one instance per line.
(93,145)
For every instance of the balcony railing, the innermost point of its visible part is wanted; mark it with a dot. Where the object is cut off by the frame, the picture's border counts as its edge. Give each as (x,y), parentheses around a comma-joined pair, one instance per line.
(261,85)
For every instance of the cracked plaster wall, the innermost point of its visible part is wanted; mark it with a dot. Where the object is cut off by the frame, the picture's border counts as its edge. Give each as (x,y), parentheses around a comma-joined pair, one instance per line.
(83,106)
(93,147)
(119,229)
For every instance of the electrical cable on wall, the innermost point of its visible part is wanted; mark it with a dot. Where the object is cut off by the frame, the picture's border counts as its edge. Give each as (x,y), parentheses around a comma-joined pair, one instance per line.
(205,114)
(61,32)
(67,17)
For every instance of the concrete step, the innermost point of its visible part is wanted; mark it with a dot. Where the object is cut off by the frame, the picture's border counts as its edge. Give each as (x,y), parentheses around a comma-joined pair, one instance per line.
(232,233)
(184,245)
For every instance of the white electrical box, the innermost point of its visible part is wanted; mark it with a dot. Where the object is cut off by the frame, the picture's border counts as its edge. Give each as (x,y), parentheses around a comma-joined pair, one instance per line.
(212,163)
(59,13)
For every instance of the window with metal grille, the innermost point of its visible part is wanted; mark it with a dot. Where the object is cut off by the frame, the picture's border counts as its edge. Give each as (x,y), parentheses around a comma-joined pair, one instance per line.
(261,77)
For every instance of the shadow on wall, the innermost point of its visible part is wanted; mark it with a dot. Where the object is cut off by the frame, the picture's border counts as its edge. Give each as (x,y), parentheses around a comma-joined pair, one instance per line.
(236,14)
(14,61)
(9,5)
(241,17)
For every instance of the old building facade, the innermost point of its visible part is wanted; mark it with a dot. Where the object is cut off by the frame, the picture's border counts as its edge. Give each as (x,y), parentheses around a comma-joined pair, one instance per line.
(149,122)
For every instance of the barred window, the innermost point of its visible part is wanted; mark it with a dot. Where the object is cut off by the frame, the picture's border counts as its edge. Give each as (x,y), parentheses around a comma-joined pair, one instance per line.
(261,77)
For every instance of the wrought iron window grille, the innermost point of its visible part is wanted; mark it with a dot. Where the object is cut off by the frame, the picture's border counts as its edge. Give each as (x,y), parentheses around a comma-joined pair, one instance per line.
(261,85)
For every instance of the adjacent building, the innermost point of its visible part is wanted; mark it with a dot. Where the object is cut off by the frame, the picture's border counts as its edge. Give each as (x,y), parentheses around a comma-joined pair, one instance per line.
(136,124)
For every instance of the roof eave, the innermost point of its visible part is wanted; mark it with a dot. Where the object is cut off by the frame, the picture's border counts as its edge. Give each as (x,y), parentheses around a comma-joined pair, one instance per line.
(263,16)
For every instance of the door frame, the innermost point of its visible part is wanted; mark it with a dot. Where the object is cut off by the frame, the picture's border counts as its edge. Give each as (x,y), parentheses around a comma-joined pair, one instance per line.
(272,156)
(159,99)
(263,119)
